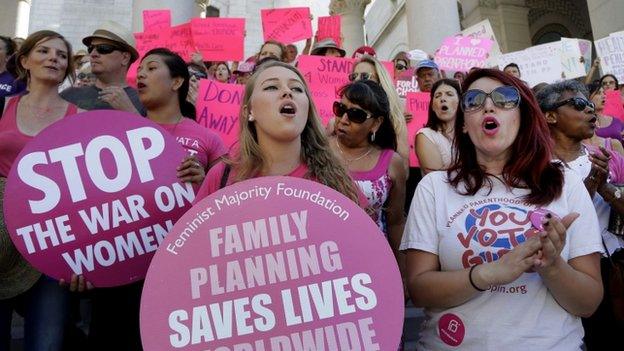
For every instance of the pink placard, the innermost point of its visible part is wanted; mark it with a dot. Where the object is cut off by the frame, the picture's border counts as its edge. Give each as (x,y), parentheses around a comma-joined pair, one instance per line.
(286,25)
(459,53)
(613,104)
(218,106)
(144,43)
(273,263)
(325,76)
(156,19)
(180,40)
(406,82)
(219,39)
(418,104)
(95,194)
(329,27)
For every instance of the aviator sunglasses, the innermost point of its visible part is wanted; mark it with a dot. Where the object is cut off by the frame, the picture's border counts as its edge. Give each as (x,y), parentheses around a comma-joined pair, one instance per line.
(355,115)
(103,49)
(505,97)
(579,104)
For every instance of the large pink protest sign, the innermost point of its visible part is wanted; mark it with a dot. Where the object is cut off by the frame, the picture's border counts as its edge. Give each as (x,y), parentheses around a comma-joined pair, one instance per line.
(459,53)
(218,106)
(613,104)
(219,39)
(418,105)
(325,76)
(144,42)
(180,40)
(156,19)
(95,194)
(329,27)
(286,25)
(273,263)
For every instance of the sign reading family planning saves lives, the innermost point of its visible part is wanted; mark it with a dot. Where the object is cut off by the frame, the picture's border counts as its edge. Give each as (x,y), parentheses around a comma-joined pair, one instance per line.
(95,194)
(273,263)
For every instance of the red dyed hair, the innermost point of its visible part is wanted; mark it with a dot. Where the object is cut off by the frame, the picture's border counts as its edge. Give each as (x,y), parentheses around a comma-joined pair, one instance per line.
(529,165)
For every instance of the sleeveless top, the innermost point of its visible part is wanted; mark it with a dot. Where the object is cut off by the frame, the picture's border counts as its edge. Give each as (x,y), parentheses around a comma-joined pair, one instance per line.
(375,185)
(12,140)
(612,130)
(443,145)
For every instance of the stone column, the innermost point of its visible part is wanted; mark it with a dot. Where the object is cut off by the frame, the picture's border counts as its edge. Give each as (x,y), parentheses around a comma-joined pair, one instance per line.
(352,21)
(181,11)
(429,22)
(23,16)
(8,14)
(605,16)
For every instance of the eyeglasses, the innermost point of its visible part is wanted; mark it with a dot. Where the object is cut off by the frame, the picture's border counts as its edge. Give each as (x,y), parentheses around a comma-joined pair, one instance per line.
(400,67)
(505,97)
(355,115)
(579,104)
(103,49)
(362,76)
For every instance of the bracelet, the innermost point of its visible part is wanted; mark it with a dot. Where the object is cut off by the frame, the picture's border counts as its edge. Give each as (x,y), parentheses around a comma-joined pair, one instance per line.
(471,281)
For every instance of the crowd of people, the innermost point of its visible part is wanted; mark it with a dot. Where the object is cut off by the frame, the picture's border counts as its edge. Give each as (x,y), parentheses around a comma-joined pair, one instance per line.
(511,228)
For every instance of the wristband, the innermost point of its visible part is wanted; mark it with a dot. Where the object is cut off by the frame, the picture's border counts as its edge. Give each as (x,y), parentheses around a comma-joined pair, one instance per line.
(471,281)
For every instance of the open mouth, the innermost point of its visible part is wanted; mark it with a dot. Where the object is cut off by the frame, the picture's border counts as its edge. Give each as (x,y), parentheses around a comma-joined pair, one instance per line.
(592,121)
(444,108)
(52,68)
(490,125)
(288,109)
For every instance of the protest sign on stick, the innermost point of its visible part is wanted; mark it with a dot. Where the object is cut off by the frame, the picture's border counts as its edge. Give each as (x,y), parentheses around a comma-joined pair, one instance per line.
(611,53)
(417,103)
(329,27)
(95,194)
(156,19)
(238,274)
(219,39)
(218,106)
(286,25)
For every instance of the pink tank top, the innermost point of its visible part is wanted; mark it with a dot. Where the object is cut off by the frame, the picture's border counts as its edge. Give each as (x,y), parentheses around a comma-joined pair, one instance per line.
(12,140)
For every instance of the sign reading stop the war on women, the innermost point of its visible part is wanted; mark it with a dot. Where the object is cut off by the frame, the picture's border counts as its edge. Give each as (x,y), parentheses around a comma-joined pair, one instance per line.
(286,25)
(95,194)
(459,53)
(417,103)
(218,107)
(273,263)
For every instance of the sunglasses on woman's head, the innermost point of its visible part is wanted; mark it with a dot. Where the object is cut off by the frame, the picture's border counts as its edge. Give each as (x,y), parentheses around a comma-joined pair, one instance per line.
(505,97)
(103,49)
(355,115)
(361,76)
(579,104)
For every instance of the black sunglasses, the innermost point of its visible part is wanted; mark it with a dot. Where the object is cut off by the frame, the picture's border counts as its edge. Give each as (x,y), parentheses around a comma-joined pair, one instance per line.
(103,49)
(400,67)
(579,104)
(355,115)
(505,97)
(362,76)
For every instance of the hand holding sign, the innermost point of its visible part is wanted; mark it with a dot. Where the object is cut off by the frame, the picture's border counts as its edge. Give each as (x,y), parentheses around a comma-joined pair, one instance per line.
(286,25)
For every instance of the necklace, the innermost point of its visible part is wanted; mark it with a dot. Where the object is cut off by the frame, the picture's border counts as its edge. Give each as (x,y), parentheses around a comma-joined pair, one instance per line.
(344,155)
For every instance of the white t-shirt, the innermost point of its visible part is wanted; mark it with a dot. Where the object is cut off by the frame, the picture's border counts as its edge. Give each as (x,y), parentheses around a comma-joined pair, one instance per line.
(466,230)
(444,146)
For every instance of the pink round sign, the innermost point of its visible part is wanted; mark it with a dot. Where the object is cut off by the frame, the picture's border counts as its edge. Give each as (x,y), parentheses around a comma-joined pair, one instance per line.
(95,194)
(274,263)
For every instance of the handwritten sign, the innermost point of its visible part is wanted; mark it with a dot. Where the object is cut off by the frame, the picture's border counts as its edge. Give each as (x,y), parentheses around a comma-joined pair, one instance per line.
(406,82)
(462,53)
(238,274)
(144,42)
(418,105)
(613,104)
(329,27)
(219,39)
(218,107)
(156,19)
(571,59)
(325,76)
(180,40)
(611,53)
(286,25)
(541,63)
(95,194)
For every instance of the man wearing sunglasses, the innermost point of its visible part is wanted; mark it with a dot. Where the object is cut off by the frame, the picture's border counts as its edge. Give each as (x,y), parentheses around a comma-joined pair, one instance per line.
(572,120)
(111,52)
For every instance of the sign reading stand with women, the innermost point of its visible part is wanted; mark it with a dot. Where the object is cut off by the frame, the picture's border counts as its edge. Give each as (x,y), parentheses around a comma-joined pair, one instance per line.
(95,194)
(274,263)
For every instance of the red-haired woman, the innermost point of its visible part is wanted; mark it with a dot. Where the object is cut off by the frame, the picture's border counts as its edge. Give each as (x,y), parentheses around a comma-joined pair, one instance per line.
(503,248)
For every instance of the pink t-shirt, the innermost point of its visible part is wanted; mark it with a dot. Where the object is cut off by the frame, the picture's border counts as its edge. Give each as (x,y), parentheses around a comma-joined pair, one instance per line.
(197,140)
(12,140)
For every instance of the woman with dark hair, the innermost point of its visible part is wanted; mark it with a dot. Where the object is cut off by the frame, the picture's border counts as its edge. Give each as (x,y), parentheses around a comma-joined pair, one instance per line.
(271,48)
(163,84)
(609,82)
(222,72)
(434,142)
(366,143)
(43,61)
(503,249)
(8,84)
(606,126)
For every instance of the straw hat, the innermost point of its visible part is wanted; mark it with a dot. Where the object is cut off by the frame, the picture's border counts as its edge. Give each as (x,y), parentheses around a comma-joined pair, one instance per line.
(322,46)
(16,275)
(114,31)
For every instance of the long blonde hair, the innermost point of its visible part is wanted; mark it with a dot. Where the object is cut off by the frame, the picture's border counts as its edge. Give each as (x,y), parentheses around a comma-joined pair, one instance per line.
(396,110)
(323,166)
